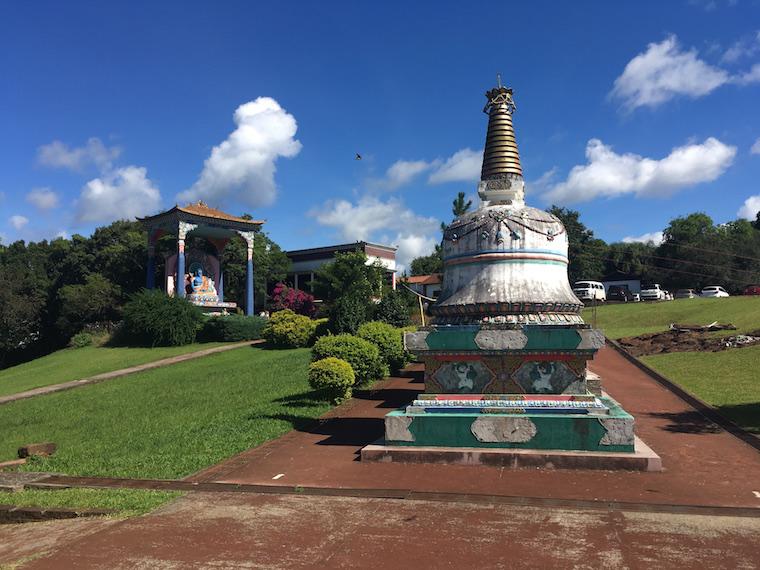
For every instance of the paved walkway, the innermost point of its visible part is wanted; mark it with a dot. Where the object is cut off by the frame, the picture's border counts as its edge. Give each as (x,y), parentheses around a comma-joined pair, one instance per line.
(703,464)
(286,531)
(123,372)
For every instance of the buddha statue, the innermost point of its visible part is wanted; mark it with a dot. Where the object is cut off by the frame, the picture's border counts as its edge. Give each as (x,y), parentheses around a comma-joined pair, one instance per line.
(203,289)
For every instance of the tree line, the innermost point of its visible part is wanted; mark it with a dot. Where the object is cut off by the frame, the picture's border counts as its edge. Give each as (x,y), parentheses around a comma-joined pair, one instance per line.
(695,252)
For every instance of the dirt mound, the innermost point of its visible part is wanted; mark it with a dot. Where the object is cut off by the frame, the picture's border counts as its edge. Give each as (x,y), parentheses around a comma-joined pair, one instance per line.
(685,341)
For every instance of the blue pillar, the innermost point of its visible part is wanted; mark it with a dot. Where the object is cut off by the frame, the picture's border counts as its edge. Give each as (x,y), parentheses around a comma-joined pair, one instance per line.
(220,287)
(249,284)
(150,278)
(179,286)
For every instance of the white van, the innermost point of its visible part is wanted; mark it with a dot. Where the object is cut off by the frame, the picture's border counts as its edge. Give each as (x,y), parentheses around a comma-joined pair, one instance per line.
(589,291)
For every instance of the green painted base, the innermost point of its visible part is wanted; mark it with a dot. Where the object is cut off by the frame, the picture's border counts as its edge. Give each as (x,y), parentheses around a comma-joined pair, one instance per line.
(576,432)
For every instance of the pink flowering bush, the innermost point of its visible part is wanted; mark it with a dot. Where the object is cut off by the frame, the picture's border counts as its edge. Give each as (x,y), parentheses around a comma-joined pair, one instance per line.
(300,302)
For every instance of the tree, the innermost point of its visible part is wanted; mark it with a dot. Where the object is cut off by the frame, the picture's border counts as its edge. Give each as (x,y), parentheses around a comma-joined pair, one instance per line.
(94,301)
(459,206)
(349,272)
(428,264)
(586,253)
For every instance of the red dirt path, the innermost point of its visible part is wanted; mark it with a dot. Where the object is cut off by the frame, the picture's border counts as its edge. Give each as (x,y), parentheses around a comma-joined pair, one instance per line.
(704,465)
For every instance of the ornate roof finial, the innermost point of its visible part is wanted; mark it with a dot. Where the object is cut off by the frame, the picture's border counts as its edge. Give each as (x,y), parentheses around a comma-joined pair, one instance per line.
(500,157)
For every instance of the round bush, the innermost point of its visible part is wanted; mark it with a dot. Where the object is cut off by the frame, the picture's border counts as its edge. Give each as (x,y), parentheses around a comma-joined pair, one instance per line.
(332,376)
(388,341)
(231,328)
(154,319)
(80,340)
(286,329)
(362,355)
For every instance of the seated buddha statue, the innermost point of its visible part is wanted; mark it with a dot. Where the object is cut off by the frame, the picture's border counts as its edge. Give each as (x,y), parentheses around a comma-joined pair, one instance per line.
(203,290)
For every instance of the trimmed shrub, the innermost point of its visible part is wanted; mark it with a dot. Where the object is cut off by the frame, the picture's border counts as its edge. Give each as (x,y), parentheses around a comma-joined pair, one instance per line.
(322,328)
(349,312)
(231,328)
(333,377)
(80,340)
(393,309)
(152,318)
(388,341)
(286,329)
(363,356)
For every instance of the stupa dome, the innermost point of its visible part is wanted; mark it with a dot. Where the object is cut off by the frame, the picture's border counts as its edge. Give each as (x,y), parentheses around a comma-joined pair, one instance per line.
(505,262)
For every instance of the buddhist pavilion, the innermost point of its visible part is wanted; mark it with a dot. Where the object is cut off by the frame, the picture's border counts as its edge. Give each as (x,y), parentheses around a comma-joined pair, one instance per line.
(198,275)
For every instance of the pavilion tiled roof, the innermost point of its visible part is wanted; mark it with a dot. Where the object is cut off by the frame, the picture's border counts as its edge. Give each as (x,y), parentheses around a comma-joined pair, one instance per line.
(200,208)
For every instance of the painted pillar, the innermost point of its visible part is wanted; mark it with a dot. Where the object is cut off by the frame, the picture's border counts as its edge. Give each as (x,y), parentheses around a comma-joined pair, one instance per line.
(179,282)
(220,287)
(295,280)
(183,229)
(150,277)
(248,237)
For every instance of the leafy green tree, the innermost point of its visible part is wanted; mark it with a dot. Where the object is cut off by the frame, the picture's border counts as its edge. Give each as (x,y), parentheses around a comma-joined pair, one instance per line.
(587,254)
(428,264)
(94,301)
(459,206)
(349,272)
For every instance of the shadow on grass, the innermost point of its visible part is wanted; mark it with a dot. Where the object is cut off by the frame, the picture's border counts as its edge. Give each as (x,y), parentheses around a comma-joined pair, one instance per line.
(746,415)
(312,398)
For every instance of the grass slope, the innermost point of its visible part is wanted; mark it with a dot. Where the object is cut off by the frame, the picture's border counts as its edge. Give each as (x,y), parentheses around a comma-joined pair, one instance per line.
(126,502)
(632,319)
(727,380)
(77,363)
(168,422)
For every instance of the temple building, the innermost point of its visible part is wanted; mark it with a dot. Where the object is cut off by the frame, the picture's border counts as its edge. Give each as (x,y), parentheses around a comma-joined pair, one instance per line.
(305,262)
(197,274)
(506,375)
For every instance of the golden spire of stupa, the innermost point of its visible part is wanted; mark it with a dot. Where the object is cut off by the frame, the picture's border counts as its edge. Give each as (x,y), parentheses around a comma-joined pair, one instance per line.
(500,157)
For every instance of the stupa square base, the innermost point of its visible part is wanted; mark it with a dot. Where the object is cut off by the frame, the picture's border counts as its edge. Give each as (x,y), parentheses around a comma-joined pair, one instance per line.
(611,429)
(643,458)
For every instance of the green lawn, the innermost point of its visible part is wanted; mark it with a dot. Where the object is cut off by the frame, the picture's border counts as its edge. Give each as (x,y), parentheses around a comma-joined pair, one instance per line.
(168,422)
(632,319)
(76,363)
(126,502)
(727,380)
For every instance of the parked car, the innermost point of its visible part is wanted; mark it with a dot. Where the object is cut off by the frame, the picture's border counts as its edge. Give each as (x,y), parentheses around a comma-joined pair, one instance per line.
(686,294)
(618,293)
(653,292)
(714,291)
(752,290)
(589,290)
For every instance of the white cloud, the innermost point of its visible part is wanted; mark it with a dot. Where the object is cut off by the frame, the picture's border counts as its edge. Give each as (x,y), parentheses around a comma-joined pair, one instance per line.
(118,195)
(243,166)
(750,208)
(651,237)
(18,221)
(748,77)
(755,147)
(63,234)
(608,174)
(663,72)
(744,47)
(43,198)
(94,152)
(371,217)
(404,171)
(463,166)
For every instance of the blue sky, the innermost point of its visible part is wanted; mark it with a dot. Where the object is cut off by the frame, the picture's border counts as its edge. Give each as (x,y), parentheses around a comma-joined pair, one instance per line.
(633,113)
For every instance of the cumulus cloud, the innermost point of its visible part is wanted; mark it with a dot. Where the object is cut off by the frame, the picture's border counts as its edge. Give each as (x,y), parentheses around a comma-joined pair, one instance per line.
(93,153)
(120,194)
(608,174)
(369,217)
(243,166)
(463,166)
(663,72)
(750,208)
(651,237)
(42,198)
(402,172)
(18,221)
(755,147)
(748,77)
